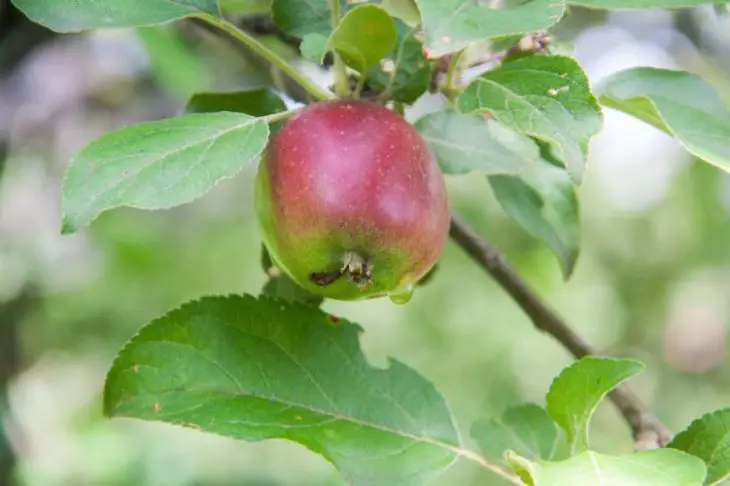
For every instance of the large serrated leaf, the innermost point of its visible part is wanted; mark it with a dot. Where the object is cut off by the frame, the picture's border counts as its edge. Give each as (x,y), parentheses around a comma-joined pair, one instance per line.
(658,467)
(76,15)
(544,202)
(451,25)
(465,143)
(679,103)
(547,97)
(577,391)
(621,4)
(261,369)
(160,164)
(526,429)
(709,439)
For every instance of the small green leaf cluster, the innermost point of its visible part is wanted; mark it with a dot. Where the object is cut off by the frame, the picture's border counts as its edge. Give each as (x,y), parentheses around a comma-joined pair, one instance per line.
(276,366)
(551,446)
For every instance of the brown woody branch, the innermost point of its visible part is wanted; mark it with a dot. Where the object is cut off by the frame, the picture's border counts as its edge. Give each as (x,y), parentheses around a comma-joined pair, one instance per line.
(648,431)
(533,43)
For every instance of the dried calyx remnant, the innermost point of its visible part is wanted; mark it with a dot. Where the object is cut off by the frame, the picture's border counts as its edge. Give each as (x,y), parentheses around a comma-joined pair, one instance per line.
(356,269)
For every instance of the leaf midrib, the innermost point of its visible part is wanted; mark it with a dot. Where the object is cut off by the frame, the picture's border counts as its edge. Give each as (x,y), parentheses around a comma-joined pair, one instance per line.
(469,149)
(331,414)
(161,157)
(515,95)
(279,401)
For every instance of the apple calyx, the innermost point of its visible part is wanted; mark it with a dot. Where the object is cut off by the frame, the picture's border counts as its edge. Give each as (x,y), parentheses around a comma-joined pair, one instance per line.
(356,269)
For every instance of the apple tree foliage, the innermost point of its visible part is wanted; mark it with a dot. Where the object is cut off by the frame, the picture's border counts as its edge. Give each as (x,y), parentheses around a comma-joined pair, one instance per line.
(275,365)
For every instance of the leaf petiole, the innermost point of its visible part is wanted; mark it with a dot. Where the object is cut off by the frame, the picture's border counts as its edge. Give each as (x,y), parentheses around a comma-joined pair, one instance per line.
(342,82)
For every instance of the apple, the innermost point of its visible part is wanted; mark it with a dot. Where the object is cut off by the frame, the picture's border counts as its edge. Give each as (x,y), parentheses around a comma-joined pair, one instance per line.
(350,201)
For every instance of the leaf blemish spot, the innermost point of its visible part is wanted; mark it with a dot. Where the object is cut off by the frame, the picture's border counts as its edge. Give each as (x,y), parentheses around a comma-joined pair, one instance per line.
(136,368)
(157,407)
(556,91)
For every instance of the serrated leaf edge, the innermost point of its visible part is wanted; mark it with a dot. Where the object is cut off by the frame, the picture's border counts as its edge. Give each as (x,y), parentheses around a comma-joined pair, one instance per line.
(699,422)
(577,364)
(583,82)
(69,227)
(194,12)
(606,100)
(434,53)
(457,450)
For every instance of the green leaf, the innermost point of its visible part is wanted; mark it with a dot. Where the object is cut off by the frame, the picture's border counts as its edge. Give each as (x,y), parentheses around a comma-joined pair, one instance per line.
(429,277)
(451,25)
(544,202)
(577,391)
(682,104)
(257,369)
(254,102)
(548,97)
(160,164)
(299,18)
(314,47)
(619,4)
(364,36)
(658,467)
(466,143)
(280,286)
(177,66)
(410,75)
(267,264)
(709,439)
(284,288)
(526,429)
(405,10)
(246,7)
(76,15)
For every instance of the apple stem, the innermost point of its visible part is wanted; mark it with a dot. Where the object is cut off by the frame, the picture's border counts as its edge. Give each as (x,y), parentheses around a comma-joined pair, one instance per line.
(360,86)
(453,75)
(317,92)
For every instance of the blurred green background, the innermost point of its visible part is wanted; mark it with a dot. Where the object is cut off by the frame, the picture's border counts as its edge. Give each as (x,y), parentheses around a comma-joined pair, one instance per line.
(652,281)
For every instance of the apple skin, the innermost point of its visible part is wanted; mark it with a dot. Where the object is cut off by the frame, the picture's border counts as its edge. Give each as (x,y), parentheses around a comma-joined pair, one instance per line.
(349,181)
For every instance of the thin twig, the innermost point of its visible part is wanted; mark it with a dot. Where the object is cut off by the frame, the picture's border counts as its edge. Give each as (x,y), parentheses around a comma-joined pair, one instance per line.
(446,76)
(254,45)
(648,430)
